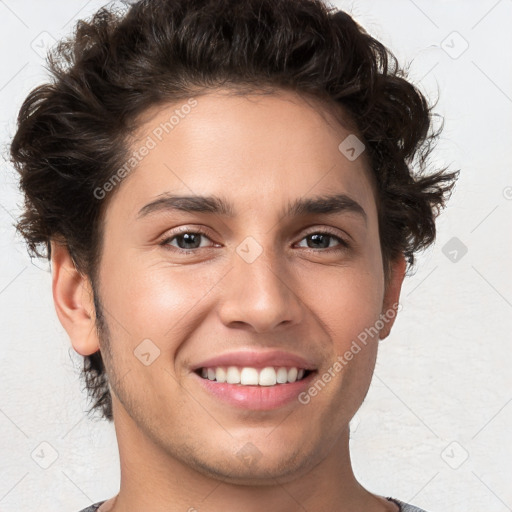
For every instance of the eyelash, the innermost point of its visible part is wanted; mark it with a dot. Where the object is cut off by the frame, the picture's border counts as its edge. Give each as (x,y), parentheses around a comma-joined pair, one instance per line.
(343,244)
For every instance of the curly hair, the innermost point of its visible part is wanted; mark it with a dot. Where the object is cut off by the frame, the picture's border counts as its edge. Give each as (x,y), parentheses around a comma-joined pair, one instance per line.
(73,132)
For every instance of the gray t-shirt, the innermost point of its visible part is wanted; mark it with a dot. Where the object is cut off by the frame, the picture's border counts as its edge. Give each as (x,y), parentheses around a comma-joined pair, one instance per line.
(404,507)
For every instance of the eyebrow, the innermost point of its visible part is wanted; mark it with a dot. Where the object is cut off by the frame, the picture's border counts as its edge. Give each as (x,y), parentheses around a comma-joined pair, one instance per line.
(325,205)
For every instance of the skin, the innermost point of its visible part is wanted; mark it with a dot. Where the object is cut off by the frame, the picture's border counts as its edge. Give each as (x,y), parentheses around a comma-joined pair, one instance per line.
(178,445)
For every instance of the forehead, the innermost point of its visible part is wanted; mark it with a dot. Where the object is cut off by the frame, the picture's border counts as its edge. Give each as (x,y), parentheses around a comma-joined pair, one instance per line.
(261,149)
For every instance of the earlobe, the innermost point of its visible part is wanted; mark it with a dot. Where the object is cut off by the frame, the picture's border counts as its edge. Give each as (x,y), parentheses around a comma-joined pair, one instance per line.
(73,300)
(392,295)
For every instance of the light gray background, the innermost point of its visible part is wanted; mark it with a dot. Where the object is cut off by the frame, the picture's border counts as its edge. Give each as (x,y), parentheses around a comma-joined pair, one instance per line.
(435,428)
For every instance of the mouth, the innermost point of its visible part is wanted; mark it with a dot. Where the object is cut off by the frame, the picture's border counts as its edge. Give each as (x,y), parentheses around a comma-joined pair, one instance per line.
(255,380)
(251,376)
(256,389)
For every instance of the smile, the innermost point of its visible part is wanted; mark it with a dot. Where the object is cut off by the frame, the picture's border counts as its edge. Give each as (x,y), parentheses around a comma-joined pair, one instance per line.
(249,376)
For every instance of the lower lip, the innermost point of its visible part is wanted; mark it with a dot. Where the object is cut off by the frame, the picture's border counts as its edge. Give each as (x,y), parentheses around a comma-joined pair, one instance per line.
(256,398)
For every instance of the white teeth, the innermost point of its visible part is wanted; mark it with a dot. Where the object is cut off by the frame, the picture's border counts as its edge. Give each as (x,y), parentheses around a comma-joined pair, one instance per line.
(247,376)
(220,374)
(292,374)
(268,377)
(233,375)
(282,375)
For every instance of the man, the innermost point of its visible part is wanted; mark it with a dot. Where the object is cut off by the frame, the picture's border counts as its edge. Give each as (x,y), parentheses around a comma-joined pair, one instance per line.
(227,195)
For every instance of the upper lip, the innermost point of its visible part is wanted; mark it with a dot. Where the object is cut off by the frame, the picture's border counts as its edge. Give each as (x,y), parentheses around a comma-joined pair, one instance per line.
(254,359)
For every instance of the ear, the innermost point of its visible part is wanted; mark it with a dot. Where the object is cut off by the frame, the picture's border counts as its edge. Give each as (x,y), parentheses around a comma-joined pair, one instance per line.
(73,299)
(392,295)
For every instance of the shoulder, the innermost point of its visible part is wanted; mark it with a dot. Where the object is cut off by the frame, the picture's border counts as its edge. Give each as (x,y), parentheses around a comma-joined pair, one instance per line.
(93,508)
(406,507)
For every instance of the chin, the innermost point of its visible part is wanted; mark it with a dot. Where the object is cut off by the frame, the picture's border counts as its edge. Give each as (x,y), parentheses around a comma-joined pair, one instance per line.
(249,466)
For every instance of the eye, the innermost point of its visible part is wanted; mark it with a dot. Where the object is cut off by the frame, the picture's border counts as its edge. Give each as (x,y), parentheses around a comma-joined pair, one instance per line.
(189,240)
(186,241)
(323,239)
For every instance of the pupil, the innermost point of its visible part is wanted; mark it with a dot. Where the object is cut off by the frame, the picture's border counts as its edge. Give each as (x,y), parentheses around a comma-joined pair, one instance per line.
(325,238)
(187,238)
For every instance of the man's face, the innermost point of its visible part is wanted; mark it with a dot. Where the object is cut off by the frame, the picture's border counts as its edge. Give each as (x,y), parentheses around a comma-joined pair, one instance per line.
(257,281)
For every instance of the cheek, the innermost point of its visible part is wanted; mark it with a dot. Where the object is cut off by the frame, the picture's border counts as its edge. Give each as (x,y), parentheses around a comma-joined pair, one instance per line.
(349,301)
(350,307)
(153,301)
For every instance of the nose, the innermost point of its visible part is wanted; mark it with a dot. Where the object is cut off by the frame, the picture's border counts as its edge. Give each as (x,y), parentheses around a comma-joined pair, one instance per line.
(260,295)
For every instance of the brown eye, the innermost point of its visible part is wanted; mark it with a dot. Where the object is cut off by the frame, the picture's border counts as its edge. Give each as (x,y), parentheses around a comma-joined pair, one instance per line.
(323,240)
(185,241)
